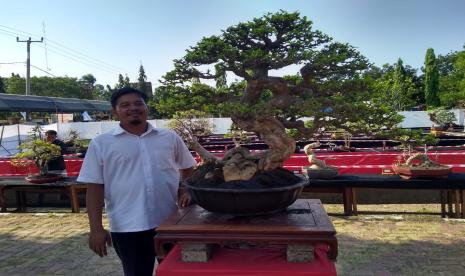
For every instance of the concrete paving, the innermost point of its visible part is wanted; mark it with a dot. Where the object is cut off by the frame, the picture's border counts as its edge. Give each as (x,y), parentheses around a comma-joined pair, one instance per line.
(54,242)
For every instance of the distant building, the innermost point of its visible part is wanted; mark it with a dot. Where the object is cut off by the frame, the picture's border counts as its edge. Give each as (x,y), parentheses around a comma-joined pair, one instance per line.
(148,88)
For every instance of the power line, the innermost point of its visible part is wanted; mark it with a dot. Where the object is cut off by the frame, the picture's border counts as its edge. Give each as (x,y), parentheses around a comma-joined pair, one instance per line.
(23,32)
(72,56)
(77,53)
(40,69)
(80,59)
(84,62)
(84,55)
(8,33)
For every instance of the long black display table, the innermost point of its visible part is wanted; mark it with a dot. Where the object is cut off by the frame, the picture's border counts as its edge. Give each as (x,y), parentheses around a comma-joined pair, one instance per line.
(452,189)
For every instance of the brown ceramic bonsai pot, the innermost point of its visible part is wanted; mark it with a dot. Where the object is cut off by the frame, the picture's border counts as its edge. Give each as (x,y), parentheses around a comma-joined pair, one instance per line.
(321,173)
(408,172)
(41,179)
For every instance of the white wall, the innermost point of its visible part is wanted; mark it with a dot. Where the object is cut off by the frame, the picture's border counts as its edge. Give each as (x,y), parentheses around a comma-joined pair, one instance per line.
(421,118)
(12,134)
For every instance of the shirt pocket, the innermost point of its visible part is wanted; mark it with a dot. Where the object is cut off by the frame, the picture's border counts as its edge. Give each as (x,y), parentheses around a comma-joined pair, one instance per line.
(165,160)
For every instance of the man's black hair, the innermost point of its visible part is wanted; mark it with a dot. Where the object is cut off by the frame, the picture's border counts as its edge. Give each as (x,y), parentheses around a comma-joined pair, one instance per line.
(51,132)
(124,91)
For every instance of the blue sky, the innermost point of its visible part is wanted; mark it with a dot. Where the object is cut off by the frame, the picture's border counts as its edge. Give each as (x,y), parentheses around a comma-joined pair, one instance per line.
(107,37)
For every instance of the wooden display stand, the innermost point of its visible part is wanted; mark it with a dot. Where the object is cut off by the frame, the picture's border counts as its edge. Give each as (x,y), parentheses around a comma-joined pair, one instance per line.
(303,223)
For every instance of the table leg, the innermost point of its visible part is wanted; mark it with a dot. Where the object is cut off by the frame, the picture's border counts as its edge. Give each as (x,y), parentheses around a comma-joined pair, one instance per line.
(347,201)
(443,203)
(457,199)
(2,199)
(333,249)
(354,201)
(463,202)
(449,203)
(73,198)
(23,200)
(20,200)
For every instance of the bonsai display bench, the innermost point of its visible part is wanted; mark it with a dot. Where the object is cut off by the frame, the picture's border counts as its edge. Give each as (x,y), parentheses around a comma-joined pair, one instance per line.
(20,186)
(303,223)
(451,188)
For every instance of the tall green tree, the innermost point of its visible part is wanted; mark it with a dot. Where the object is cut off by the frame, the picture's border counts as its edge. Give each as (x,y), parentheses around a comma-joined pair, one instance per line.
(396,85)
(88,83)
(399,94)
(122,81)
(449,80)
(142,79)
(431,80)
(2,86)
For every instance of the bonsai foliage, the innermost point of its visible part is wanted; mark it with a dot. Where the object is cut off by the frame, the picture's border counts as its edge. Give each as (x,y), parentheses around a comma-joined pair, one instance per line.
(409,138)
(374,117)
(191,123)
(75,142)
(238,135)
(39,151)
(442,117)
(325,86)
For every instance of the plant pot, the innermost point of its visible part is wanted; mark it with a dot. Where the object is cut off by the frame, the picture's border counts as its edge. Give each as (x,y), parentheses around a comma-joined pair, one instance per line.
(14,120)
(408,172)
(40,179)
(246,201)
(436,133)
(321,173)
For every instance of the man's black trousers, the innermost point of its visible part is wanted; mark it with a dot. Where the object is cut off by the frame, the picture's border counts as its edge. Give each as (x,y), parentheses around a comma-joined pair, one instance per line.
(136,251)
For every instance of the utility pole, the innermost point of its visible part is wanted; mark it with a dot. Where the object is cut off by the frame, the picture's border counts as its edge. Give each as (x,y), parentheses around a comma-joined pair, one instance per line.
(28,62)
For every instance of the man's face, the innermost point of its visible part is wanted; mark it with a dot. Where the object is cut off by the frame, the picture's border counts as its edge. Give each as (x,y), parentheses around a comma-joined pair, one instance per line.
(50,137)
(131,109)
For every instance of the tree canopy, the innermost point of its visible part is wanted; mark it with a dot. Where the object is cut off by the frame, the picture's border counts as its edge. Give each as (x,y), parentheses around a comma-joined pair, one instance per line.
(325,87)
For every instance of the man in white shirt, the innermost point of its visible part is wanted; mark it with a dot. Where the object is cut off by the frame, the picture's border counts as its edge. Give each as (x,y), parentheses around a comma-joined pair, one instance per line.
(135,169)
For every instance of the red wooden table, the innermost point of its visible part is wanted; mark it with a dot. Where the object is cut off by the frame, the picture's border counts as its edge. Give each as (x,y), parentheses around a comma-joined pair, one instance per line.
(269,261)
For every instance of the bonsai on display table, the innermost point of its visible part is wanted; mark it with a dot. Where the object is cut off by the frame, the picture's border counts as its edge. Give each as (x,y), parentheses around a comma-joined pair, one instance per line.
(419,165)
(318,169)
(39,152)
(325,88)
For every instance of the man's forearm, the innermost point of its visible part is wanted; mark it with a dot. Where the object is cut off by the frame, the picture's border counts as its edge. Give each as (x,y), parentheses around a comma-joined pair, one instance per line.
(185,173)
(94,202)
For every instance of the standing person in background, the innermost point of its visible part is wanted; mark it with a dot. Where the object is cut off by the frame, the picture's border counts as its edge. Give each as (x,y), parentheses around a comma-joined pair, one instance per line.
(135,169)
(57,165)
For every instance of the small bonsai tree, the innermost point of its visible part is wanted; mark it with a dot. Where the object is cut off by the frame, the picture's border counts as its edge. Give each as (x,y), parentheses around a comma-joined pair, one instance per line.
(39,151)
(442,117)
(75,142)
(238,135)
(191,123)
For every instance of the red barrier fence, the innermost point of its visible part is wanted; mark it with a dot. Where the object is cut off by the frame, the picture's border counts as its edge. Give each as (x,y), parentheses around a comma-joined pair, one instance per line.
(369,162)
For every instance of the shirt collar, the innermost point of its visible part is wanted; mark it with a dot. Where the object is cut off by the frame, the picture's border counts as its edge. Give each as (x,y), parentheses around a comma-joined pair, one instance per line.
(119,130)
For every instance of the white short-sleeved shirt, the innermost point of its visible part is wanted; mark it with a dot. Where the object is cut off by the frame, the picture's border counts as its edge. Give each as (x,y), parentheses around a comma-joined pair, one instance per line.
(140,174)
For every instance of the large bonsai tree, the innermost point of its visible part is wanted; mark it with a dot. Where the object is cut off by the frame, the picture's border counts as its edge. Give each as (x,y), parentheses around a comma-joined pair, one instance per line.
(325,87)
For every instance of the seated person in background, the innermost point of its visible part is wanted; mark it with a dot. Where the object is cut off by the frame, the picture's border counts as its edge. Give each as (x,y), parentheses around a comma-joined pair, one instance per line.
(57,165)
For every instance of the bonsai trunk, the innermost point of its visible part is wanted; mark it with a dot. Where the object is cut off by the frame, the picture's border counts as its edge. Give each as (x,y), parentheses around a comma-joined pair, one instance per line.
(273,133)
(43,168)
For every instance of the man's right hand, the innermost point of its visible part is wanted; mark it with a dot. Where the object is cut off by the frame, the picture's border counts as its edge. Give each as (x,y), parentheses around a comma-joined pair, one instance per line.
(98,241)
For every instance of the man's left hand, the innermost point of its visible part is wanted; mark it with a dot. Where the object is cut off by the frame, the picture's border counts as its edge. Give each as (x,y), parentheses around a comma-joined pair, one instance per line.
(184,198)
